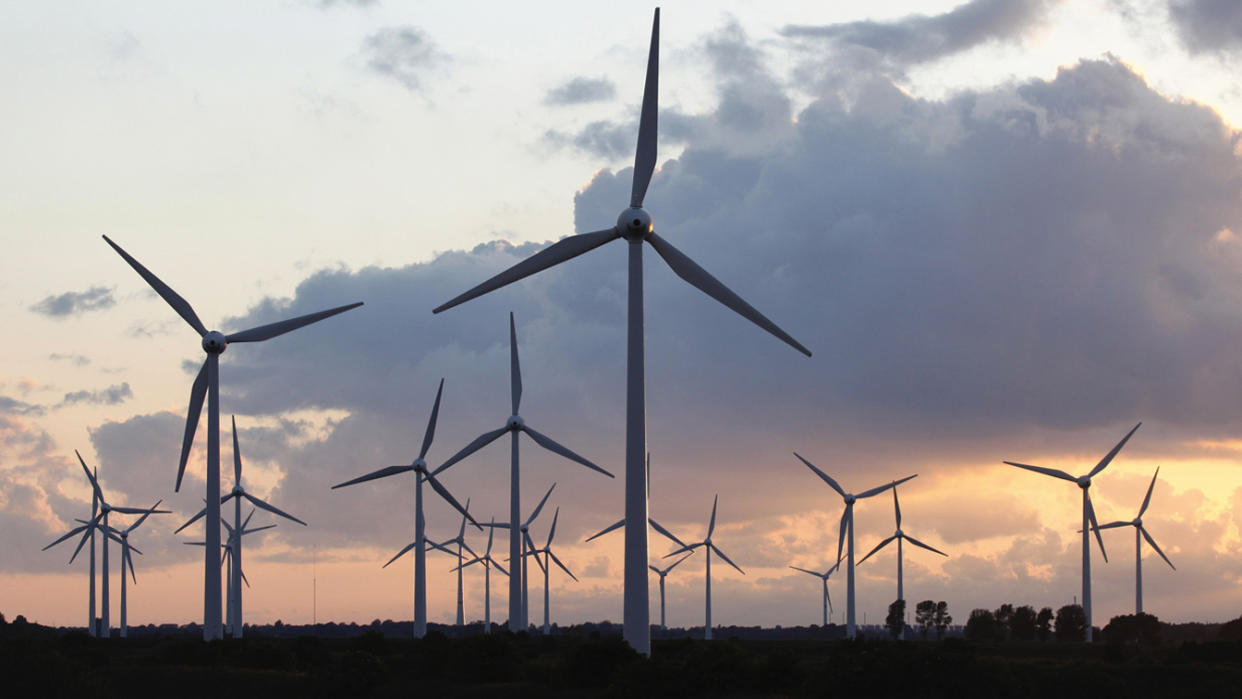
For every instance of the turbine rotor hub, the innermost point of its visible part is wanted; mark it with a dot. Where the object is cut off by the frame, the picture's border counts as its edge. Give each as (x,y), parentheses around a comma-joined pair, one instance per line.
(850,499)
(1138,521)
(214,342)
(634,224)
(515,422)
(1084,482)
(420,465)
(238,490)
(900,534)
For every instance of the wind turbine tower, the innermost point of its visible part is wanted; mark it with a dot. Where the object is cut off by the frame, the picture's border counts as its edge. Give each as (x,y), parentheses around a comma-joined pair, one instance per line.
(1140,533)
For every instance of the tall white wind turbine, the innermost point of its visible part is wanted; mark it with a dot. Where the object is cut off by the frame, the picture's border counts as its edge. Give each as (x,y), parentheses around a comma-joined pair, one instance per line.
(824,577)
(1088,516)
(635,226)
(548,559)
(487,562)
(901,537)
(520,591)
(514,426)
(419,467)
(1140,533)
(230,558)
(207,384)
(663,573)
(460,540)
(708,547)
(234,603)
(127,559)
(847,528)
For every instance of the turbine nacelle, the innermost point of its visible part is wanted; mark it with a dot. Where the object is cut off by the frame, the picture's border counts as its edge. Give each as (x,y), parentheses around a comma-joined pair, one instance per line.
(850,499)
(899,534)
(238,490)
(1083,482)
(214,342)
(514,423)
(420,465)
(634,224)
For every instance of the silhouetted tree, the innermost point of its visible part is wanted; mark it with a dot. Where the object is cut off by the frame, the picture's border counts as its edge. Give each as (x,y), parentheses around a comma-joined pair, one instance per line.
(1071,623)
(942,619)
(1231,630)
(896,619)
(1022,623)
(1043,623)
(1003,616)
(2,620)
(981,626)
(925,616)
(1133,628)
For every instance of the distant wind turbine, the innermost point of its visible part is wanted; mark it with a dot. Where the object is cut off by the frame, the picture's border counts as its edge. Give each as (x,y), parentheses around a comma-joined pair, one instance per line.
(514,426)
(523,533)
(847,529)
(548,559)
(663,573)
(460,540)
(230,558)
(901,537)
(1140,533)
(708,547)
(122,537)
(1088,516)
(207,384)
(487,562)
(635,226)
(824,577)
(419,467)
(654,524)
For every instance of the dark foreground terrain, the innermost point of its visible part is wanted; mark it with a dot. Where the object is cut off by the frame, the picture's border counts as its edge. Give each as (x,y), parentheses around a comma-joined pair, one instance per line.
(39,662)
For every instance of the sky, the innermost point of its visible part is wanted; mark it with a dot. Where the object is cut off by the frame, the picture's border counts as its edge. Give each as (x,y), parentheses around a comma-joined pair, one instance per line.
(1008,230)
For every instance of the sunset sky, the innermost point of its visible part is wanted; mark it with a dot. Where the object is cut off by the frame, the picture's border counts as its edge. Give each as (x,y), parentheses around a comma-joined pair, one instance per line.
(1007,229)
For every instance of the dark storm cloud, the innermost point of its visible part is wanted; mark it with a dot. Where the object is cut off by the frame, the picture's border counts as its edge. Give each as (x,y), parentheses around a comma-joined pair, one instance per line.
(581,90)
(921,38)
(1208,25)
(71,303)
(112,395)
(405,54)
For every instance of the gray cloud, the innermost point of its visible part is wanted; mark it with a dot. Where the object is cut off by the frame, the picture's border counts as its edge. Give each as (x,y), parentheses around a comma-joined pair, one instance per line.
(12,406)
(112,395)
(405,54)
(581,90)
(1208,25)
(75,359)
(922,38)
(70,303)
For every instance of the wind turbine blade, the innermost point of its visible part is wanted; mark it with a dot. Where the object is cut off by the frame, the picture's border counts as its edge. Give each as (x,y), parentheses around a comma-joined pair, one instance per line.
(442,548)
(498,566)
(382,473)
(274,510)
(72,533)
(645,153)
(192,520)
(236,453)
(545,442)
(469,550)
(405,550)
(1056,473)
(657,570)
(127,558)
(1109,456)
(687,547)
(1147,499)
(897,508)
(827,479)
(699,278)
(256,529)
(530,546)
(827,596)
(656,526)
(134,510)
(515,368)
(246,522)
(267,332)
(468,563)
(916,542)
(461,532)
(444,493)
(881,488)
(130,547)
(677,562)
(726,558)
(841,532)
(808,572)
(85,536)
(479,442)
(607,529)
(554,254)
(539,507)
(431,423)
(180,305)
(711,527)
(90,476)
(1152,541)
(198,391)
(557,561)
(552,531)
(490,532)
(242,573)
(1096,527)
(881,545)
(145,514)
(1112,525)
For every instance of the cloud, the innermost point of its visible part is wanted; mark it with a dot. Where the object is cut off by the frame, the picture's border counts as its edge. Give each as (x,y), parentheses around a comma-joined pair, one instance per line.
(12,406)
(405,54)
(75,359)
(70,303)
(581,90)
(352,3)
(112,395)
(1208,25)
(922,38)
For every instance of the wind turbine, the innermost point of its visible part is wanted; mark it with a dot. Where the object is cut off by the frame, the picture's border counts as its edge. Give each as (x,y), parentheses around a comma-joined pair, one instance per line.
(514,426)
(487,561)
(87,530)
(236,495)
(901,537)
(1088,516)
(229,555)
(548,559)
(1140,533)
(519,591)
(663,573)
(460,540)
(708,547)
(824,577)
(207,384)
(847,526)
(635,226)
(419,467)
(654,524)
(122,537)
